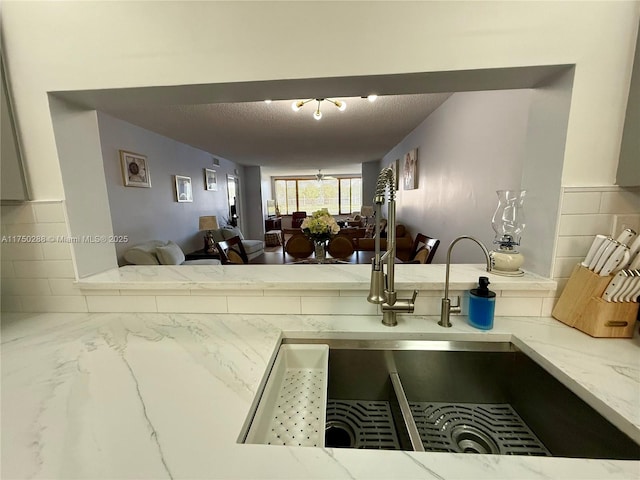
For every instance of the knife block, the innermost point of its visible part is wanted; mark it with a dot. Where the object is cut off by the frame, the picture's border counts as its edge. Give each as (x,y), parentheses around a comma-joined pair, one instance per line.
(581,306)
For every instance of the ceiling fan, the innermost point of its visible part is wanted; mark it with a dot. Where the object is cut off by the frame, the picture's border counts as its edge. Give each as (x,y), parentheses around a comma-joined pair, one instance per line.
(321,176)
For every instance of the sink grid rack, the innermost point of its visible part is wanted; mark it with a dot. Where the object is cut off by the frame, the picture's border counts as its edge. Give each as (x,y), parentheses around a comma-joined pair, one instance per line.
(292,408)
(475,428)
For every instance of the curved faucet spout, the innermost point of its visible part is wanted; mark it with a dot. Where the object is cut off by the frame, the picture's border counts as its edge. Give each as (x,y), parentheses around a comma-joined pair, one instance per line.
(446,307)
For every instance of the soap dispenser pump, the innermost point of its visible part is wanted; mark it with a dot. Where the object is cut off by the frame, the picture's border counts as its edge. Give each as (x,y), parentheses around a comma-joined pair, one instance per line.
(482,303)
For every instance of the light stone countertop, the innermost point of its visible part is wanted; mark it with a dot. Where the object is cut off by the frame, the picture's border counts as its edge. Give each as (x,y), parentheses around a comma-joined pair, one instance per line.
(166,395)
(317,277)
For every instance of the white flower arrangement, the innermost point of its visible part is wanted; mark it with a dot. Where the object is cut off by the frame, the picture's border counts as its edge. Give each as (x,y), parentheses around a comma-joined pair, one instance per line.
(320,226)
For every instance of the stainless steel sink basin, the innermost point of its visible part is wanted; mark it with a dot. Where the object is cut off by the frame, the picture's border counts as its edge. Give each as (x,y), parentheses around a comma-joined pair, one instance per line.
(474,397)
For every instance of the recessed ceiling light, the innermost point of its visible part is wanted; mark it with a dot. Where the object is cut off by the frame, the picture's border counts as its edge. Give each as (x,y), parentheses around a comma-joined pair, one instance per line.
(267,101)
(372,98)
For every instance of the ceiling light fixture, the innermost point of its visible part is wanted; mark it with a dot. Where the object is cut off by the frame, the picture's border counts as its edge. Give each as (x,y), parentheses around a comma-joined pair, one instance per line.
(372,98)
(297,105)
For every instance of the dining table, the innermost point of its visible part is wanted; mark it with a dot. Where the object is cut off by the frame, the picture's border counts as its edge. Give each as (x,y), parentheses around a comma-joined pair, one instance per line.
(357,257)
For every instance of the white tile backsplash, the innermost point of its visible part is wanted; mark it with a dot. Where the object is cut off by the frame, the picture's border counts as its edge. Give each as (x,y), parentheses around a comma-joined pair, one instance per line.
(7,271)
(338,306)
(54,304)
(574,246)
(121,304)
(22,213)
(200,304)
(518,306)
(581,202)
(27,286)
(22,251)
(564,266)
(56,251)
(49,212)
(11,303)
(267,305)
(624,201)
(64,286)
(591,224)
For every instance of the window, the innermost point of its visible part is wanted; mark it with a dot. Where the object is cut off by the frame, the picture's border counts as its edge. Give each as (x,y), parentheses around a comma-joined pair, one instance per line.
(340,196)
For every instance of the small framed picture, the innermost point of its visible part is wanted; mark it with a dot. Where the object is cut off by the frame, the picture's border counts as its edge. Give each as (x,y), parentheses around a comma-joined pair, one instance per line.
(135,170)
(411,170)
(210,180)
(183,189)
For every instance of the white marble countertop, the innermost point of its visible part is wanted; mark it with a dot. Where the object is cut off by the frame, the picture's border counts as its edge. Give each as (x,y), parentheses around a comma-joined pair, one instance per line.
(118,396)
(317,277)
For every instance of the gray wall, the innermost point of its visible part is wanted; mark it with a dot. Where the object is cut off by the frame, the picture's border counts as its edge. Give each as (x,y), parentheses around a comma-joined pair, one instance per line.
(468,148)
(153,213)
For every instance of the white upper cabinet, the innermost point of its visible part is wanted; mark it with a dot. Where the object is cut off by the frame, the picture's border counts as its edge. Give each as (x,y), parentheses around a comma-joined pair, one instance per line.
(13,185)
(629,164)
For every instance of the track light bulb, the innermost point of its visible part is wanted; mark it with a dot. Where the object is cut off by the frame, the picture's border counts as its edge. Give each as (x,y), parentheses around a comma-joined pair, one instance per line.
(372,98)
(341,104)
(317,114)
(295,106)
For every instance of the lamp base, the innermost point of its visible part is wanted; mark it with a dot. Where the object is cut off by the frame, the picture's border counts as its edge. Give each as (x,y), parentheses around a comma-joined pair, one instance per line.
(507,263)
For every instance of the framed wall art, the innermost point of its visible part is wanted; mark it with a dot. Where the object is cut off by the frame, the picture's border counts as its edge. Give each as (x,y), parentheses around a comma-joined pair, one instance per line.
(410,170)
(135,169)
(183,189)
(210,180)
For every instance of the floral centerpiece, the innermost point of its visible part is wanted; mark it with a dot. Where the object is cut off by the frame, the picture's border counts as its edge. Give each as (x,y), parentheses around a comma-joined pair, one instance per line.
(320,227)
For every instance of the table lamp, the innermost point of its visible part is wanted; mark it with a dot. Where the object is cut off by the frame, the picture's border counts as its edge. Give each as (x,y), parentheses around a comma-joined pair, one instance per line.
(208,223)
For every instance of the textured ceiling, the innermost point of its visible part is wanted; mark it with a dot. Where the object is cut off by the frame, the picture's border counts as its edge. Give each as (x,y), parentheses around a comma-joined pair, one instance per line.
(274,136)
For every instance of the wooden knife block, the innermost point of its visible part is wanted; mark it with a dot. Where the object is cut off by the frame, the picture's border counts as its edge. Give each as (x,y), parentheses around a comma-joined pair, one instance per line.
(580,306)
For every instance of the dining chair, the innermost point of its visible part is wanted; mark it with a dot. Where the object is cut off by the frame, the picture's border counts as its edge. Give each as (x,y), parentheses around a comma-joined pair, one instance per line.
(287,233)
(299,246)
(423,250)
(340,247)
(232,251)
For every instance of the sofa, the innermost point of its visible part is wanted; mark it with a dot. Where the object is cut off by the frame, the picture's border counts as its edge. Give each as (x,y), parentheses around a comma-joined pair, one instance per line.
(157,252)
(404,243)
(253,248)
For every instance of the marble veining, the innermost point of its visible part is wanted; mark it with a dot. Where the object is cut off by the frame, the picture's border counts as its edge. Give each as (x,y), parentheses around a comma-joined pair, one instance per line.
(124,396)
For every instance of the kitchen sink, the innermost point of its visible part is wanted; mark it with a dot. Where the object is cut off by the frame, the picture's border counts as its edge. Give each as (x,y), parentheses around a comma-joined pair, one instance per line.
(454,396)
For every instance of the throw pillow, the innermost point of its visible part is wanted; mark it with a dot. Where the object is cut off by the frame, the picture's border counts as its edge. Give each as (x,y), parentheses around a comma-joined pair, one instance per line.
(144,253)
(228,232)
(170,254)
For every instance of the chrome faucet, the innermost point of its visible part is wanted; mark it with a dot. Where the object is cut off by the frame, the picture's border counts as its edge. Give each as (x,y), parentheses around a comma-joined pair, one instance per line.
(382,290)
(447,308)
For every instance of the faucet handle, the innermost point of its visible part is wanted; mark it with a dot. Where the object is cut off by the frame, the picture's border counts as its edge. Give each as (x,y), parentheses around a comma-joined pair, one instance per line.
(415,294)
(456,308)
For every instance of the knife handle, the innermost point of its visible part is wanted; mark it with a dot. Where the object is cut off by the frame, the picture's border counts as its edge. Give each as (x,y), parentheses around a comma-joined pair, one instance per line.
(626,236)
(634,291)
(635,263)
(608,251)
(598,254)
(614,285)
(620,256)
(626,288)
(634,250)
(597,243)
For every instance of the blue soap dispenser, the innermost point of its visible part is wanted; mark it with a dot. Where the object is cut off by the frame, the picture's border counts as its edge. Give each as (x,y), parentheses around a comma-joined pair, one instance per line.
(482,304)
